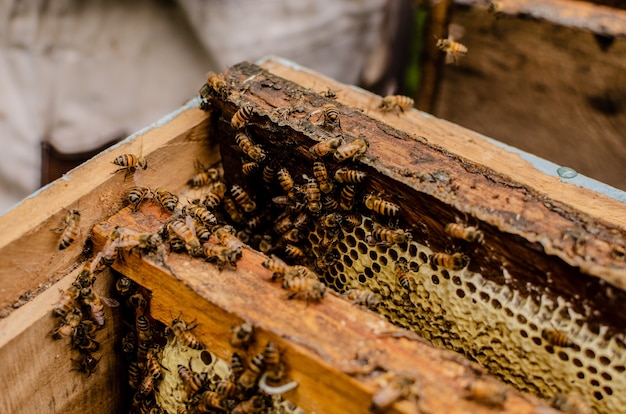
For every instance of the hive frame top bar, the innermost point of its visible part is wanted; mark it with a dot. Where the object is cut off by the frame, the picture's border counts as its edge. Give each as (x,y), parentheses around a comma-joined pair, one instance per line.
(544,166)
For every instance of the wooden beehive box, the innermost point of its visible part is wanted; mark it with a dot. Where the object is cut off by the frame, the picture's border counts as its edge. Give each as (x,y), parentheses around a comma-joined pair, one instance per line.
(537,303)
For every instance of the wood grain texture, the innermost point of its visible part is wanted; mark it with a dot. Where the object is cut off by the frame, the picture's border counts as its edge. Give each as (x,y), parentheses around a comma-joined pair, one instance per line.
(28,246)
(322,343)
(37,370)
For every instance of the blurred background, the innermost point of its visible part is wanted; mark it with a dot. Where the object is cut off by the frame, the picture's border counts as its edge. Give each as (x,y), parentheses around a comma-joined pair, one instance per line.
(548,77)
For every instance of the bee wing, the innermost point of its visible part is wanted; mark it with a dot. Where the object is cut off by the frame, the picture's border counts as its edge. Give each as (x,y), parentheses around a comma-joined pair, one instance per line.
(450,58)
(190,223)
(109,302)
(455,31)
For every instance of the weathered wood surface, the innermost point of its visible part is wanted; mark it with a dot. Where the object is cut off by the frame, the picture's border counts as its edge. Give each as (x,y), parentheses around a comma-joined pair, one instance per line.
(31,260)
(38,374)
(323,343)
(547,88)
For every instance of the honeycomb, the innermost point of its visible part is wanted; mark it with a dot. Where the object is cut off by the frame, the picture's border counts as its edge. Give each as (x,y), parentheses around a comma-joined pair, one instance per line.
(460,310)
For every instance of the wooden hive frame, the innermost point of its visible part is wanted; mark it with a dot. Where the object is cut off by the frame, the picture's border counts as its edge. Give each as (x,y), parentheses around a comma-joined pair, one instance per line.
(581,232)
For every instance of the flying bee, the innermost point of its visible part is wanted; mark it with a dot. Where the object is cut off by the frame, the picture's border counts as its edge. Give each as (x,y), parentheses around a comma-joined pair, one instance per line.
(246,144)
(185,231)
(215,195)
(183,334)
(469,234)
(242,198)
(392,102)
(70,229)
(166,199)
(397,388)
(305,288)
(67,328)
(129,163)
(192,381)
(347,176)
(269,172)
(247,380)
(250,168)
(353,149)
(557,338)
(489,393)
(362,297)
(241,117)
(220,254)
(570,404)
(232,210)
(285,180)
(389,237)
(200,212)
(137,194)
(87,364)
(227,239)
(124,285)
(294,252)
(346,197)
(321,175)
(453,49)
(401,269)
(204,175)
(96,304)
(456,261)
(380,205)
(241,335)
(328,146)
(67,301)
(313,195)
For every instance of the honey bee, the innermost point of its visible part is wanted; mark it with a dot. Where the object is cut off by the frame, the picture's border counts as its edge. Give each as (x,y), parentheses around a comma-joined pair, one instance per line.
(346,176)
(269,172)
(232,210)
(184,230)
(241,335)
(226,238)
(87,364)
(469,234)
(328,146)
(134,375)
(70,229)
(137,194)
(353,149)
(456,261)
(313,195)
(253,151)
(283,224)
(86,277)
(138,302)
(321,175)
(217,83)
(401,269)
(362,297)
(329,203)
(294,252)
(209,401)
(346,197)
(96,304)
(129,163)
(380,205)
(489,393)
(305,288)
(280,268)
(392,102)
(250,168)
(236,365)
(166,199)
(351,220)
(557,338)
(141,241)
(221,254)
(200,212)
(215,195)
(449,45)
(389,237)
(71,320)
(330,116)
(397,388)
(570,404)
(241,117)
(248,378)
(324,261)
(129,345)
(254,405)
(204,175)
(84,342)
(291,236)
(144,330)
(329,93)
(226,388)
(67,301)
(192,381)
(285,180)
(242,198)
(184,336)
